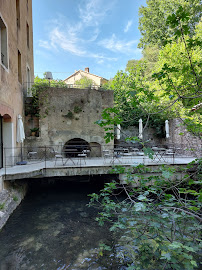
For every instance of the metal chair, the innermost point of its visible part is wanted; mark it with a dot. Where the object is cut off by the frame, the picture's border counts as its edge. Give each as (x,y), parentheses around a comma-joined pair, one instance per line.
(82,156)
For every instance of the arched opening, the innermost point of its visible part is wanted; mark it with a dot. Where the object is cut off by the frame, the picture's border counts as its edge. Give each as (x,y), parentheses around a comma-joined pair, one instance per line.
(6,139)
(75,146)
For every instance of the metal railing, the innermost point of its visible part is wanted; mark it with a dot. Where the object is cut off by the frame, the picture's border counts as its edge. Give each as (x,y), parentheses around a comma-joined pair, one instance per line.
(92,155)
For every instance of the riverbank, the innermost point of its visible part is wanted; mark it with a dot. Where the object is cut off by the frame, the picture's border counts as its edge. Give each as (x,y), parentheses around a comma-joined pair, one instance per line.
(10,198)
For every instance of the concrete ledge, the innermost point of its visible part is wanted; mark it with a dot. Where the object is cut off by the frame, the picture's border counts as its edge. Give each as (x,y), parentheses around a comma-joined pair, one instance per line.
(23,175)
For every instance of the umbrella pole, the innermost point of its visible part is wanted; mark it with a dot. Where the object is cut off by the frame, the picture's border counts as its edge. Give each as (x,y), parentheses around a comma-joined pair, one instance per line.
(21,153)
(22,162)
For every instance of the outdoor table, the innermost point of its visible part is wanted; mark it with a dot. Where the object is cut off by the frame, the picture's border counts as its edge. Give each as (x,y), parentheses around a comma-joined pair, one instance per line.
(70,157)
(71,151)
(119,151)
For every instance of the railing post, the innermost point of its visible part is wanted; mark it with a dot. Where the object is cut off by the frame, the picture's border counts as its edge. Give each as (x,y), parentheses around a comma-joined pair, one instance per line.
(45,156)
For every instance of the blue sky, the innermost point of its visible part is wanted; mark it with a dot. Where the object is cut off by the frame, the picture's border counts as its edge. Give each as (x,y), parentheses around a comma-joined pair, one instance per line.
(73,34)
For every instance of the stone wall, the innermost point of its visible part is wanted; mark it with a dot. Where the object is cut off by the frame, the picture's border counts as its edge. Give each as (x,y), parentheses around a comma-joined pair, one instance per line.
(71,115)
(187,143)
(10,198)
(192,144)
(148,135)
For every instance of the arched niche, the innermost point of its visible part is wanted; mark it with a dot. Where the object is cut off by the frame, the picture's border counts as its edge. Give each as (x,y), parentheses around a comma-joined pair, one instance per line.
(6,139)
(75,146)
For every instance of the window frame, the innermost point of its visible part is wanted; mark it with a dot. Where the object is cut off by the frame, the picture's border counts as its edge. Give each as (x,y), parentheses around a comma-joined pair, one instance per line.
(5,66)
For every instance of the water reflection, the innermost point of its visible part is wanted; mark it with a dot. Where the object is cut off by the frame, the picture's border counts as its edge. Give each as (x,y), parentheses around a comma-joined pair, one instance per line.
(54,229)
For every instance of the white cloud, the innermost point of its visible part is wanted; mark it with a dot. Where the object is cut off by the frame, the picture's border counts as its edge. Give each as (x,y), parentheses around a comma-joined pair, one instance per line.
(68,41)
(94,11)
(45,44)
(126,29)
(100,58)
(62,40)
(75,38)
(116,45)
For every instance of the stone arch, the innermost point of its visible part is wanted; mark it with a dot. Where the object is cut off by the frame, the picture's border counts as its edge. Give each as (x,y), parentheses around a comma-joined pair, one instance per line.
(6,135)
(75,146)
(6,112)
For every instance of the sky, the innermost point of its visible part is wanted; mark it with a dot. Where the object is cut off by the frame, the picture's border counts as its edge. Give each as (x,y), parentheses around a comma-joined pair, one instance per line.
(74,34)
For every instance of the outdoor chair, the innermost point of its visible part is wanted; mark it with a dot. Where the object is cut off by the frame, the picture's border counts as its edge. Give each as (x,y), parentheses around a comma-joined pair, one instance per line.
(106,154)
(58,156)
(32,155)
(82,156)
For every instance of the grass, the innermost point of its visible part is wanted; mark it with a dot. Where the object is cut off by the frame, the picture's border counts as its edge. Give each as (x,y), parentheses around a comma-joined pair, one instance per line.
(2,205)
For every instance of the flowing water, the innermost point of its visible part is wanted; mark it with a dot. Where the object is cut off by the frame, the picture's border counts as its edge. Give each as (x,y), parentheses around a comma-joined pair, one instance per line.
(53,228)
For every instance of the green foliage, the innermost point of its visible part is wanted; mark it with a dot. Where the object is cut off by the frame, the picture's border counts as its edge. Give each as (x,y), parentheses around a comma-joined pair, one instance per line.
(152,21)
(69,115)
(148,61)
(34,129)
(77,109)
(103,248)
(40,96)
(158,217)
(84,82)
(159,226)
(2,205)
(175,86)
(15,198)
(132,101)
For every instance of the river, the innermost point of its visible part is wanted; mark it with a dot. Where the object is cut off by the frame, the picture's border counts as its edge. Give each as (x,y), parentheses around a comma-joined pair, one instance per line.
(53,228)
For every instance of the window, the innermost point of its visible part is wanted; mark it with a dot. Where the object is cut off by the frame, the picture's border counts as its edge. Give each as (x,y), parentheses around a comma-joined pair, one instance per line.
(19,68)
(18,13)
(3,43)
(27,35)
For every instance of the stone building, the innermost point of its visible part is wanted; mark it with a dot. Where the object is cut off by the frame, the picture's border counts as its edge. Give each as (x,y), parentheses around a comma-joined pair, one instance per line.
(16,67)
(71,119)
(77,75)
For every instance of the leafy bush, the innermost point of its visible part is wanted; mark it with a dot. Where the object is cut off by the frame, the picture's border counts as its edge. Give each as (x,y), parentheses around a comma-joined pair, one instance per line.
(158,219)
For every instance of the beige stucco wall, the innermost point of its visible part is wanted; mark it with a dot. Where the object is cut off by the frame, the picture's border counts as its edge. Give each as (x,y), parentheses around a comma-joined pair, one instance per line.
(57,128)
(98,80)
(11,91)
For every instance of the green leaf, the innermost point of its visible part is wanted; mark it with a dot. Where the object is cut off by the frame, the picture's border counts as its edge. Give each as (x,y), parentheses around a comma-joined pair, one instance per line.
(166,256)
(139,207)
(142,198)
(194,263)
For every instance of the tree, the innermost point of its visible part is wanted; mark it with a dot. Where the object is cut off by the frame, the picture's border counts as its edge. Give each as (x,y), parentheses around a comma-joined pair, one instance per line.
(150,57)
(84,82)
(158,220)
(152,21)
(172,90)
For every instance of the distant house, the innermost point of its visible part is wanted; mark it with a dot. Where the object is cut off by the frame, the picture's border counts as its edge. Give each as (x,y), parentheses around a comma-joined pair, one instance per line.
(80,74)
